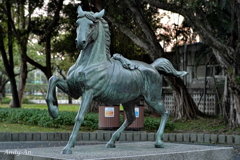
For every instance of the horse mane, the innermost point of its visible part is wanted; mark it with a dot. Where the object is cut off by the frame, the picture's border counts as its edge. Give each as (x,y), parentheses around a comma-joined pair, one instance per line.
(107,37)
(90,16)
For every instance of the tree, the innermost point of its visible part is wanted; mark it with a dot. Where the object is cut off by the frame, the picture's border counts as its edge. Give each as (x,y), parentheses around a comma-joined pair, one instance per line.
(3,81)
(6,34)
(46,28)
(19,26)
(218,23)
(139,22)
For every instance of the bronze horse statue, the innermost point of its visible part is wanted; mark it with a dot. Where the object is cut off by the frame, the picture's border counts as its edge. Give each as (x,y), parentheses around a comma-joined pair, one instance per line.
(110,80)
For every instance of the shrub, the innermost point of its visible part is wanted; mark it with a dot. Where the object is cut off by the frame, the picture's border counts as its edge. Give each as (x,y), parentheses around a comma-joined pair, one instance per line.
(6,100)
(91,120)
(25,101)
(41,118)
(152,124)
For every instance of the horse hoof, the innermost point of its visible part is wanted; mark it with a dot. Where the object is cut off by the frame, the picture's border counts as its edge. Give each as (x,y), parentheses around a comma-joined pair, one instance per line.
(110,145)
(66,151)
(54,112)
(159,146)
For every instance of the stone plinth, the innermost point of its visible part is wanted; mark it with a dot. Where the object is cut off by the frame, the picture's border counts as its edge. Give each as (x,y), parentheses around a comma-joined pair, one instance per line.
(124,151)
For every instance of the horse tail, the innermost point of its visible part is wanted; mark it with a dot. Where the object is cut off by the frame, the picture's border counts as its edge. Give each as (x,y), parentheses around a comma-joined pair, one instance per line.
(165,67)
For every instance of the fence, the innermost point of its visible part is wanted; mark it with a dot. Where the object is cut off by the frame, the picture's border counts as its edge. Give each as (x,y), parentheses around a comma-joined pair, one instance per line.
(197,95)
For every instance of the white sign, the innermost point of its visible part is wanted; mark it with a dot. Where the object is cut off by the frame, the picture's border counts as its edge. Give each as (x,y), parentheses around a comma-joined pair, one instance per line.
(137,112)
(109,112)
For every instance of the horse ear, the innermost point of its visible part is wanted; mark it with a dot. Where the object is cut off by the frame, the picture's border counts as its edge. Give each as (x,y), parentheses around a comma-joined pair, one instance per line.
(80,12)
(99,14)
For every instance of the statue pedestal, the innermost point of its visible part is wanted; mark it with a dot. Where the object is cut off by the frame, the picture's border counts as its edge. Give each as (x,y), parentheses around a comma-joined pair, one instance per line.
(128,151)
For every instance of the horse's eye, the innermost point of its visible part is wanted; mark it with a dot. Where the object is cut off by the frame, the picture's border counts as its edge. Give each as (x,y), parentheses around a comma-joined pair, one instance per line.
(76,24)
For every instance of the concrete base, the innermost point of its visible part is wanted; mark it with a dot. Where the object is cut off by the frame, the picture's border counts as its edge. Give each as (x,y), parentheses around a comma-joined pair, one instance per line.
(124,151)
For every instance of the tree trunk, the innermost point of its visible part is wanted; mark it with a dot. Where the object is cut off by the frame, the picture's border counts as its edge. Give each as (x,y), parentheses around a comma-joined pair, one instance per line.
(225,102)
(231,96)
(8,60)
(94,107)
(15,103)
(185,106)
(69,100)
(23,75)
(48,54)
(234,115)
(231,107)
(22,79)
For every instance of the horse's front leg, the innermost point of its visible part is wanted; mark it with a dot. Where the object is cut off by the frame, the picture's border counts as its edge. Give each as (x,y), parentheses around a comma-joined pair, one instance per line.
(86,100)
(51,97)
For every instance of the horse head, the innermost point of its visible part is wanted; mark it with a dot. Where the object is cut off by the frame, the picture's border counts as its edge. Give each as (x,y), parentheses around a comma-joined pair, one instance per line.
(86,27)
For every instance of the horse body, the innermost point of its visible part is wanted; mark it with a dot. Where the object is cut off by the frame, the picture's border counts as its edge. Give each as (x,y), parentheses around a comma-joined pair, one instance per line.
(131,85)
(83,78)
(121,88)
(96,76)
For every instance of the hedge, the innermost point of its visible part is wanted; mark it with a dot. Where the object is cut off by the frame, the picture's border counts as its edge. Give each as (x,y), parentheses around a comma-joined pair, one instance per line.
(41,118)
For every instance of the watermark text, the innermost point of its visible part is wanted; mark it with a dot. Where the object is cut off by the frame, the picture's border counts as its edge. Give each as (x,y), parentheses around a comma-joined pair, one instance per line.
(17,152)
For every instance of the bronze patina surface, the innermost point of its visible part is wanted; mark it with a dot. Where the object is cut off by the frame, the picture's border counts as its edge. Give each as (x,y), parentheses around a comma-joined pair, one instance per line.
(110,80)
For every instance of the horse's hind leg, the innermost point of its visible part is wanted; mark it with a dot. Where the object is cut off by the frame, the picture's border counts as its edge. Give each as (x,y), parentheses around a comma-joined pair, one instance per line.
(130,118)
(159,107)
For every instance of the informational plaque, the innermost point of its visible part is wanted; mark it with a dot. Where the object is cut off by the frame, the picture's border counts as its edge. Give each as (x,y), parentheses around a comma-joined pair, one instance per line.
(109,112)
(136,112)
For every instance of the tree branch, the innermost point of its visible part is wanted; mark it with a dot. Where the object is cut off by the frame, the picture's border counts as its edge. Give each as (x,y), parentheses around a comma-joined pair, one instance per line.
(37,65)
(157,50)
(56,16)
(136,39)
(195,21)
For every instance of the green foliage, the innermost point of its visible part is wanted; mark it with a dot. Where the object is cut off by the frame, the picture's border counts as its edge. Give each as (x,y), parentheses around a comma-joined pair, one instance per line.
(32,87)
(6,100)
(41,118)
(230,71)
(238,79)
(91,121)
(152,124)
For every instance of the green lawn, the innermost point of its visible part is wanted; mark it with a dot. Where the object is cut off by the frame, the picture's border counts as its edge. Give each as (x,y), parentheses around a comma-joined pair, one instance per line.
(211,125)
(13,128)
(196,126)
(62,107)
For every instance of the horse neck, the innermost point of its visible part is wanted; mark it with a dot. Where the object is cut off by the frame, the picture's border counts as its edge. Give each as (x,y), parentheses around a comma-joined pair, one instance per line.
(95,52)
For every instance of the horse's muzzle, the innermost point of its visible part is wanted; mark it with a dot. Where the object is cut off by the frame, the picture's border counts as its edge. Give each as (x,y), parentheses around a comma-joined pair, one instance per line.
(80,45)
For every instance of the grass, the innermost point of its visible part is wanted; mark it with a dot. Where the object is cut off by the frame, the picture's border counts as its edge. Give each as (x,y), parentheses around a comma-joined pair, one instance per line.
(212,125)
(207,125)
(62,107)
(7,127)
